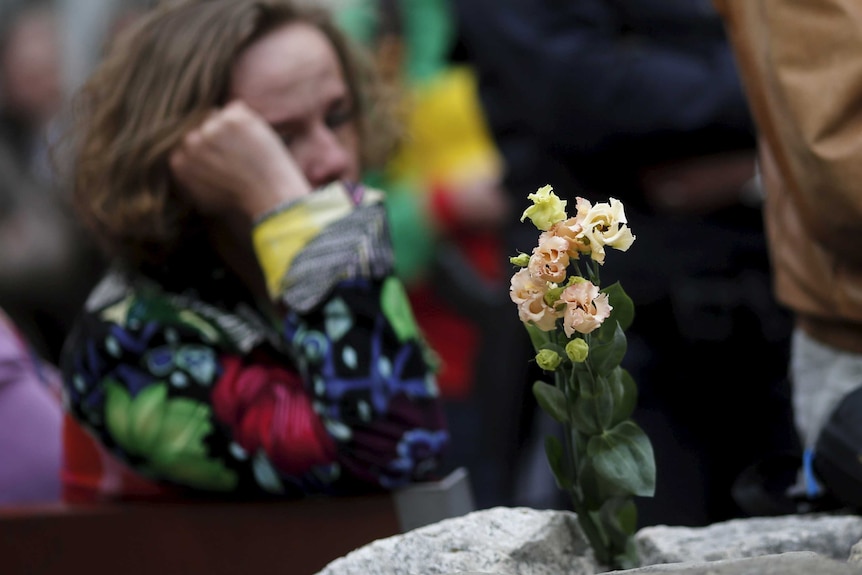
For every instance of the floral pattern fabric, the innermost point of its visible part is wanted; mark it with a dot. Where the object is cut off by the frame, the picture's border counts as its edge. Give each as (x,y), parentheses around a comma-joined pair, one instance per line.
(197,387)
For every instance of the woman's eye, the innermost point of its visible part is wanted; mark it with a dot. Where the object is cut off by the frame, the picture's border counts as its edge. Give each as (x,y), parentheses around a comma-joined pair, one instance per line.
(339,117)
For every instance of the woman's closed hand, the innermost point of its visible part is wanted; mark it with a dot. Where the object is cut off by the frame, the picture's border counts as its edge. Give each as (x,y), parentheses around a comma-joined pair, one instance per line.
(234,161)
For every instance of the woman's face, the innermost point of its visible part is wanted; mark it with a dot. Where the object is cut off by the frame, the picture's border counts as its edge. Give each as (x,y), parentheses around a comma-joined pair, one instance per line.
(30,70)
(292,77)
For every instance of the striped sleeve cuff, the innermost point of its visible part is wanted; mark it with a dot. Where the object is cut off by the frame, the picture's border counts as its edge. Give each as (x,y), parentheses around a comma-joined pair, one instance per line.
(308,246)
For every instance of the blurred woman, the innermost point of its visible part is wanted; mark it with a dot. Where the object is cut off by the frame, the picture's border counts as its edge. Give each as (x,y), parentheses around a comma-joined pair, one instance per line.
(251,338)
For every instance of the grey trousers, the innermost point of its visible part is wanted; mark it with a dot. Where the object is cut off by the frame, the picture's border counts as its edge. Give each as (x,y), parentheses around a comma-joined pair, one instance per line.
(820,376)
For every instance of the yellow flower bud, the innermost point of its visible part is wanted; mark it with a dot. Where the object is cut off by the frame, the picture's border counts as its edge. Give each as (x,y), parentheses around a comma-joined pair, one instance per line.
(547,209)
(521,260)
(548,359)
(577,350)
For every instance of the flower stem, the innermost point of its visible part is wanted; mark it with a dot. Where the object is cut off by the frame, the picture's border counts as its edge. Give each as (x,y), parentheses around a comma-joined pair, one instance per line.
(593,532)
(594,272)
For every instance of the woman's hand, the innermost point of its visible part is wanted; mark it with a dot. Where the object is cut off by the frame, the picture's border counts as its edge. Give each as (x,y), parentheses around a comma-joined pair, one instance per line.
(235,162)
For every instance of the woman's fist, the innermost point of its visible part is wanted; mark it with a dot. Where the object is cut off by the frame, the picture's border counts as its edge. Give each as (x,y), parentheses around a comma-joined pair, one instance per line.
(233,161)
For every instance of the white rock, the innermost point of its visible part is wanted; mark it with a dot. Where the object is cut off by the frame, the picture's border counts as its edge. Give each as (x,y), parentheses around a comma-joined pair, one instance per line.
(499,541)
(826,535)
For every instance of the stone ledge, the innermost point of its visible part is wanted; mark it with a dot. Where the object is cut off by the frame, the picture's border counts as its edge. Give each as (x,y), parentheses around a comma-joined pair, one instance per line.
(525,541)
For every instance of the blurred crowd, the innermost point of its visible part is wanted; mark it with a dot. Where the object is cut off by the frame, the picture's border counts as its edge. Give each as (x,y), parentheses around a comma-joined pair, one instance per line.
(47,263)
(638,100)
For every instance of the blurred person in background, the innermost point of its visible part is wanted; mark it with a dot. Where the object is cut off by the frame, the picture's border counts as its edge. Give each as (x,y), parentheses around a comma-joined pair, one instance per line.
(640,100)
(251,338)
(46,264)
(447,210)
(31,416)
(800,65)
(32,91)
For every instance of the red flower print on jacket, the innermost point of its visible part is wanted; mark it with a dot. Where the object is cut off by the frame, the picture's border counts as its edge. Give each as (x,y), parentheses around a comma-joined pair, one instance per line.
(267,408)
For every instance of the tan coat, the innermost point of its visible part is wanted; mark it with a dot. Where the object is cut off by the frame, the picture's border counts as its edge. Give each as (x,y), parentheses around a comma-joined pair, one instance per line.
(801,65)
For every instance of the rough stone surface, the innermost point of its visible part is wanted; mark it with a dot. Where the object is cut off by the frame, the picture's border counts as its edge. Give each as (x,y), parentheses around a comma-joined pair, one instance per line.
(829,536)
(524,541)
(505,541)
(797,563)
(856,554)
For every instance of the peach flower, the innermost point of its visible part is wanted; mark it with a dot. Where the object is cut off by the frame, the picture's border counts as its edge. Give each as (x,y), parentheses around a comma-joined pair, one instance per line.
(529,294)
(586,308)
(550,259)
(572,230)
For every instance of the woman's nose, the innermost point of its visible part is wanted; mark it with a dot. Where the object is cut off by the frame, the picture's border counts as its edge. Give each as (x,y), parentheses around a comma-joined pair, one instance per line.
(328,157)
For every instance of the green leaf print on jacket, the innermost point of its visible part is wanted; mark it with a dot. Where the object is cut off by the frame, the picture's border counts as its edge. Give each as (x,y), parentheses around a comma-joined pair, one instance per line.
(167,433)
(396,308)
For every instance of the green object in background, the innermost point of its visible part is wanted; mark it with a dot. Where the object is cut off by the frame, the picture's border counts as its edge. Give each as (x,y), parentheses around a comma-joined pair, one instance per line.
(428,32)
(412,234)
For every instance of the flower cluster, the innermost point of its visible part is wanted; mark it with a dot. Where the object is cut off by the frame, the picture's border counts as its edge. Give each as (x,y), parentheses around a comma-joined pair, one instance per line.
(578,329)
(542,288)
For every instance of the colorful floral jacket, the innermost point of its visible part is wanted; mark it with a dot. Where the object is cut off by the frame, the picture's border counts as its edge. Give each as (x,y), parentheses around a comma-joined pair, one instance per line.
(197,387)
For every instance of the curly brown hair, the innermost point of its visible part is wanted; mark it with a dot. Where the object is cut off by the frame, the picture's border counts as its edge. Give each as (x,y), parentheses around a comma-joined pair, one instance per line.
(158,80)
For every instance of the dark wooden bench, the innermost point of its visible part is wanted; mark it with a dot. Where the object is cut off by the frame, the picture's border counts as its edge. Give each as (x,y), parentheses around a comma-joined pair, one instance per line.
(214,538)
(290,537)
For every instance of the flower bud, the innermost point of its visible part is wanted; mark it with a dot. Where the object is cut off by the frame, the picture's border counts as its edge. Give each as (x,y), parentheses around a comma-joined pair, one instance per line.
(521,260)
(547,208)
(578,350)
(548,359)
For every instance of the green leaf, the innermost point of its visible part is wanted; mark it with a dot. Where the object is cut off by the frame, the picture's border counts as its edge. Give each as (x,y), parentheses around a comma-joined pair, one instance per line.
(552,400)
(625,392)
(595,489)
(623,311)
(618,517)
(624,457)
(593,407)
(579,442)
(557,462)
(591,525)
(538,338)
(584,419)
(629,559)
(591,487)
(605,402)
(607,355)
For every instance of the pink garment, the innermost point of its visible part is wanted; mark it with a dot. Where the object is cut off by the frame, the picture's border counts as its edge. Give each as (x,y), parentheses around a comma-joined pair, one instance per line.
(30,423)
